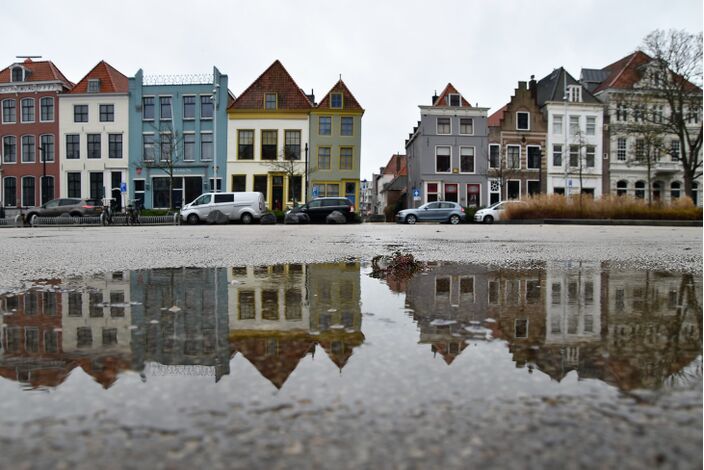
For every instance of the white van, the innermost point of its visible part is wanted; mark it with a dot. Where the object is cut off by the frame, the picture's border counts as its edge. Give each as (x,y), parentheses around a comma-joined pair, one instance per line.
(243,207)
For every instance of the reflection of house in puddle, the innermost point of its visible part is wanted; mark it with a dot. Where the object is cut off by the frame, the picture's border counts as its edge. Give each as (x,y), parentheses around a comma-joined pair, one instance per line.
(55,327)
(630,329)
(180,316)
(279,313)
(449,303)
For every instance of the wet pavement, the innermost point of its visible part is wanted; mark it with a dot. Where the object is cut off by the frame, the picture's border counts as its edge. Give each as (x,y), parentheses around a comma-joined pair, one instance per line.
(559,364)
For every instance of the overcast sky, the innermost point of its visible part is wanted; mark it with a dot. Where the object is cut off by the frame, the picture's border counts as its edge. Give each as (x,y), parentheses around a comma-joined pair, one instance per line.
(392,55)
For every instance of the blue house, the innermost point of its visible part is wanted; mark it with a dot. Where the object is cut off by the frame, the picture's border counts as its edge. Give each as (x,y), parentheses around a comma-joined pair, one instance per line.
(178,137)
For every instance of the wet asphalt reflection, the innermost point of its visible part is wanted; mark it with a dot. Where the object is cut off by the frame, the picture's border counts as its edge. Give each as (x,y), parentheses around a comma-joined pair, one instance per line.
(153,345)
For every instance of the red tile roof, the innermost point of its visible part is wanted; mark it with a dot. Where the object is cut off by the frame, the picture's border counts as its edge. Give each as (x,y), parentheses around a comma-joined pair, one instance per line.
(42,71)
(349,102)
(111,80)
(450,89)
(277,80)
(397,166)
(626,72)
(495,119)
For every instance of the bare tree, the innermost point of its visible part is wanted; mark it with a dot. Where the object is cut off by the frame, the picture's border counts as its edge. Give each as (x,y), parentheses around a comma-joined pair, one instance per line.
(675,79)
(579,156)
(165,152)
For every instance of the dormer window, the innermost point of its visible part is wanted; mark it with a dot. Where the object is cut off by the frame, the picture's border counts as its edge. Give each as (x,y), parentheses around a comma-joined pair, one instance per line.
(270,101)
(454,99)
(574,93)
(336,100)
(93,85)
(17,74)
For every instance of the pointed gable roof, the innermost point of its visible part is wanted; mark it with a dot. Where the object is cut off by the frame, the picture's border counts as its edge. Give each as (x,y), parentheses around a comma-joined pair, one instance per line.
(111,80)
(274,79)
(276,368)
(552,88)
(349,102)
(443,99)
(41,71)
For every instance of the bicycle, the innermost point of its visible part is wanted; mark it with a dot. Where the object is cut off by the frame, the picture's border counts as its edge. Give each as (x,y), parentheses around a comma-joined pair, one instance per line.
(132,212)
(106,215)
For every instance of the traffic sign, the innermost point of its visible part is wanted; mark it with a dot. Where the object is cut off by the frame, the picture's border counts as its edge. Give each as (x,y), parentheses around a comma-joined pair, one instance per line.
(123,187)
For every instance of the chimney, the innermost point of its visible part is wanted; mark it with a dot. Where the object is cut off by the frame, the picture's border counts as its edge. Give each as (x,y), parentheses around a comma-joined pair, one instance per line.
(311,97)
(532,86)
(435,97)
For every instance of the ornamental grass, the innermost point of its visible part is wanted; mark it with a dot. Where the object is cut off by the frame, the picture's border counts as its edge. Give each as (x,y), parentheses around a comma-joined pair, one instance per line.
(556,206)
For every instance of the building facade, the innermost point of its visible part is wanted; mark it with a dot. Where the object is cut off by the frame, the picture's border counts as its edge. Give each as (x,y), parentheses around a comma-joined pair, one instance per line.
(268,126)
(29,131)
(517,138)
(574,135)
(178,129)
(94,136)
(643,159)
(447,152)
(335,145)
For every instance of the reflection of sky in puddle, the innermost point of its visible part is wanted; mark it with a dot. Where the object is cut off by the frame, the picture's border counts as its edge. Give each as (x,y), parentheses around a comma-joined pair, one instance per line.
(157,344)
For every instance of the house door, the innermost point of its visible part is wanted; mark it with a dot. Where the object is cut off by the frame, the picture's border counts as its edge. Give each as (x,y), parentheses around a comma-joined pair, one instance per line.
(277,192)
(451,192)
(193,187)
(473,191)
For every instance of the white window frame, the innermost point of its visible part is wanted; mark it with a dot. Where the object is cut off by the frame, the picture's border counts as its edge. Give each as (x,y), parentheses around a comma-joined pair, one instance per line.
(508,146)
(460,126)
(212,142)
(574,130)
(466,193)
(21,204)
(53,106)
(474,157)
(2,111)
(144,159)
(449,99)
(621,157)
(540,150)
(522,112)
(436,159)
(437,126)
(558,120)
(53,155)
(21,150)
(3,189)
(528,186)
(435,288)
(196,107)
(142,108)
(34,105)
(474,288)
(437,193)
(574,93)
(18,150)
(592,120)
(499,155)
(184,145)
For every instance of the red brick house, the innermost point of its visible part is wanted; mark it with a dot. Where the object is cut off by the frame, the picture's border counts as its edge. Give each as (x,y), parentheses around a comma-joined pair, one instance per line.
(29,132)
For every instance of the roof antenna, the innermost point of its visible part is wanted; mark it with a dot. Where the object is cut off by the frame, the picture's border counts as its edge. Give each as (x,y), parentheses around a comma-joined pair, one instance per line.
(340,77)
(28,57)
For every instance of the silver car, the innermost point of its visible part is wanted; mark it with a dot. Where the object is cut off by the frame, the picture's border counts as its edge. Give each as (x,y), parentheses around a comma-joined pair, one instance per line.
(438,211)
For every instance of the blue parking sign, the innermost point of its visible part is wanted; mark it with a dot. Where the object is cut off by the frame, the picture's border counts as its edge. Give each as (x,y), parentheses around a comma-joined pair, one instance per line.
(123,187)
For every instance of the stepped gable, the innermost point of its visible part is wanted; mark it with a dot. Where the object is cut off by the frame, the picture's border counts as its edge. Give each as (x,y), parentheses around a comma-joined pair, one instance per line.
(349,102)
(111,80)
(40,71)
(274,79)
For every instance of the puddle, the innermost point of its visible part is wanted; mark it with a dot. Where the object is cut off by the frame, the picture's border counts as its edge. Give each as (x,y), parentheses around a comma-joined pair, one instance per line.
(149,341)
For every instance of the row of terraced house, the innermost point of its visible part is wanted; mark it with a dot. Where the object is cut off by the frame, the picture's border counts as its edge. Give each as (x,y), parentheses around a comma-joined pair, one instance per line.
(557,135)
(143,137)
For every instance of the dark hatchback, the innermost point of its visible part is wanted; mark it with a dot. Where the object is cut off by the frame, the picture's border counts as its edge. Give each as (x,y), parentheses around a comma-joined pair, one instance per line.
(75,207)
(319,208)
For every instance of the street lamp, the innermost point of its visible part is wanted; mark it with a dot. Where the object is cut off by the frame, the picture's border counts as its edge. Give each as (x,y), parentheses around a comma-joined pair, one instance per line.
(214,99)
(306,150)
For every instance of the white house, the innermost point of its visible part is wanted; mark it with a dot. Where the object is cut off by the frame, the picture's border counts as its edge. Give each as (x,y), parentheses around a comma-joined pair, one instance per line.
(94,135)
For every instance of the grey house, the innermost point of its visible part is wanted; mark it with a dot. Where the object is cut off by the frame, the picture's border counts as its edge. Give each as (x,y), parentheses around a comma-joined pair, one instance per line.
(447,152)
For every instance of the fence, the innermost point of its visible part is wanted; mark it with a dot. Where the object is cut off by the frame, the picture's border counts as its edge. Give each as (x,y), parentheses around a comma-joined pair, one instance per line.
(88,221)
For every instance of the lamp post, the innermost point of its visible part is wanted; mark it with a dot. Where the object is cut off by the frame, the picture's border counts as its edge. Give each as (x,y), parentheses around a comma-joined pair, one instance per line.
(306,150)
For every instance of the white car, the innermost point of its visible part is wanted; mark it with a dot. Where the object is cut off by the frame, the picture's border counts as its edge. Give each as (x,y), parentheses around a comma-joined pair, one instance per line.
(492,213)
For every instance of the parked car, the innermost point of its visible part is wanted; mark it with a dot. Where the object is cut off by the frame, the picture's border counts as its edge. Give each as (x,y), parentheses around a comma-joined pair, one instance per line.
(492,213)
(438,211)
(319,208)
(245,207)
(74,207)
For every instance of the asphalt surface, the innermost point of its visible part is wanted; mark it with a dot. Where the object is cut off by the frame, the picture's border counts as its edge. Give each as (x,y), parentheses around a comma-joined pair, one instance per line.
(638,430)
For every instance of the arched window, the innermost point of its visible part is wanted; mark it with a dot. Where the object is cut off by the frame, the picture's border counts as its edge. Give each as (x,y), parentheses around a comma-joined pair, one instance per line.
(17,74)
(622,188)
(675,189)
(640,189)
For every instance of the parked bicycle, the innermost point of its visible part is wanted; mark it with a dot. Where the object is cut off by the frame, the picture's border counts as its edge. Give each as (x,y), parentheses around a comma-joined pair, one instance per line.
(106,215)
(132,212)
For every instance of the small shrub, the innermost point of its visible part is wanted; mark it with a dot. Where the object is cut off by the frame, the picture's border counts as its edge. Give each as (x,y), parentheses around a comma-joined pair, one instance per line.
(555,206)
